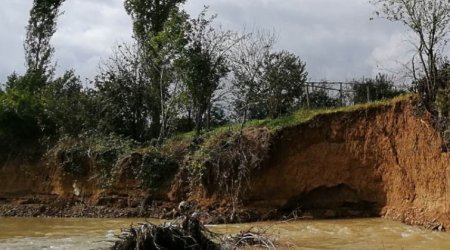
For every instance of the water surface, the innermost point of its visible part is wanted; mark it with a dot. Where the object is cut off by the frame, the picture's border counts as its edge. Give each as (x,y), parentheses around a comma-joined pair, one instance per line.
(44,233)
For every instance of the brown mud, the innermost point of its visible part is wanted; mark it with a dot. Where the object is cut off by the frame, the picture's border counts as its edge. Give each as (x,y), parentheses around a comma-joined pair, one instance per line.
(377,161)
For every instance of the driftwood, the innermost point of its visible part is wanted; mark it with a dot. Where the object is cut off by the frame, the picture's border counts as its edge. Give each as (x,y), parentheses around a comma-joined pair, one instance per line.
(188,234)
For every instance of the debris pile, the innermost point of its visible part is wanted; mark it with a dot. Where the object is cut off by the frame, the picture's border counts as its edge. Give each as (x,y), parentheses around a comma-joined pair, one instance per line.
(189,234)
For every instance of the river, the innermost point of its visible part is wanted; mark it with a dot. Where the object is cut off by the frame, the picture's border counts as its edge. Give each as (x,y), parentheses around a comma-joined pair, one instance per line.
(44,233)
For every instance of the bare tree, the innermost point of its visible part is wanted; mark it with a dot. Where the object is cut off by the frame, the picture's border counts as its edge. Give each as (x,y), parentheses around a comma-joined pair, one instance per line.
(248,57)
(429,20)
(123,93)
(205,65)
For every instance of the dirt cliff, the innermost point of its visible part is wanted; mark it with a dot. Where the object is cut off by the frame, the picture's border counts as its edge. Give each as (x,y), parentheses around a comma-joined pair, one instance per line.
(381,160)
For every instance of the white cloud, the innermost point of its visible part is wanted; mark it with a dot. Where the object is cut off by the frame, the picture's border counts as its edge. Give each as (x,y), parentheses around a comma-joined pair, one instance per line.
(334,37)
(393,55)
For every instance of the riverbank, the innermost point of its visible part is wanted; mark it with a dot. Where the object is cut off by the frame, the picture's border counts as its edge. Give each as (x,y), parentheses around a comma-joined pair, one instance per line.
(377,160)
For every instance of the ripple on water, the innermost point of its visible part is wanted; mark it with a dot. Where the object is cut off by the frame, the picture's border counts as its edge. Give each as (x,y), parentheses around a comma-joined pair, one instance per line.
(33,234)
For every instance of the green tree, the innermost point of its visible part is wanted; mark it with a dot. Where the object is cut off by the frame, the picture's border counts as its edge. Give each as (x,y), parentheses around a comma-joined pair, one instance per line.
(170,44)
(67,105)
(205,64)
(149,17)
(40,29)
(380,88)
(122,94)
(320,99)
(21,116)
(284,81)
(123,84)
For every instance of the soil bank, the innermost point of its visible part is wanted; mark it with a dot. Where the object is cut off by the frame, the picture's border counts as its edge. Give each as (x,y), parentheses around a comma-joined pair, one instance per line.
(378,161)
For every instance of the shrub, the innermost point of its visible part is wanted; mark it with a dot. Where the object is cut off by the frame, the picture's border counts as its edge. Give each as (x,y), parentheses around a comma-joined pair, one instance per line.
(20,122)
(223,161)
(157,168)
(380,88)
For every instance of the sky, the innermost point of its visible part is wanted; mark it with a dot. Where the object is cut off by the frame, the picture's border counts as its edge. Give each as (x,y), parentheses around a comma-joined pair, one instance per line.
(336,38)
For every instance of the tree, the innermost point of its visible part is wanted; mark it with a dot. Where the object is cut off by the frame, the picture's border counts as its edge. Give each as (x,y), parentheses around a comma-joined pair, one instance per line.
(204,65)
(429,20)
(380,88)
(40,29)
(149,17)
(319,98)
(67,105)
(284,80)
(21,116)
(248,57)
(122,94)
(170,44)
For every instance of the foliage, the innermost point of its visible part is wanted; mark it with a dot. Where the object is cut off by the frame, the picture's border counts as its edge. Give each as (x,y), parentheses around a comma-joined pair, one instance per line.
(33,117)
(248,58)
(122,94)
(223,161)
(204,65)
(429,20)
(20,121)
(63,96)
(74,161)
(149,18)
(284,81)
(170,44)
(320,99)
(40,29)
(75,154)
(157,168)
(443,104)
(296,118)
(380,88)
(24,116)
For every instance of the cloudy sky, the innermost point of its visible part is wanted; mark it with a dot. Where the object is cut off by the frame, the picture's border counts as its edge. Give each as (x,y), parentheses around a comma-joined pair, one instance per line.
(334,37)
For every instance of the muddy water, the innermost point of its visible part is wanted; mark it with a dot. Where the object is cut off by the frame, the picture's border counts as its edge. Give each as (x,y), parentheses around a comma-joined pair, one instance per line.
(23,233)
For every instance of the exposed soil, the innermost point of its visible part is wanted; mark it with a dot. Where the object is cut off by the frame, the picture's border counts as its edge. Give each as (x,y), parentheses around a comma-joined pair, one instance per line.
(380,161)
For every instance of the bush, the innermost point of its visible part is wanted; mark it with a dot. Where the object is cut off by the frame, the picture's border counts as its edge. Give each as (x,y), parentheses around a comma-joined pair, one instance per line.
(157,168)
(74,161)
(380,88)
(321,99)
(223,161)
(75,154)
(20,129)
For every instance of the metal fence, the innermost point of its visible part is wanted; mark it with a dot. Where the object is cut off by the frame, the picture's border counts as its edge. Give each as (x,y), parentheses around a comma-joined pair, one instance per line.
(342,91)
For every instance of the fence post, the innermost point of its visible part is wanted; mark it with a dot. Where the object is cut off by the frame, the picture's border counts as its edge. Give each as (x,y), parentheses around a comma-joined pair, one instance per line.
(368,92)
(307,95)
(341,96)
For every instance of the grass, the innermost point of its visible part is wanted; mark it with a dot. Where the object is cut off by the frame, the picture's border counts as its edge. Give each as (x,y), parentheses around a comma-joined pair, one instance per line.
(297,118)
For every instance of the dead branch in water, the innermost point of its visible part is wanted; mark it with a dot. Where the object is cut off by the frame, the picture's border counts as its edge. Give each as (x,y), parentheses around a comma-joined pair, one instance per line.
(252,237)
(189,234)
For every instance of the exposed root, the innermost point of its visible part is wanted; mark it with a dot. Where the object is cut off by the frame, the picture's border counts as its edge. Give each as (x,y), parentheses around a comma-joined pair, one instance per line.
(251,238)
(188,234)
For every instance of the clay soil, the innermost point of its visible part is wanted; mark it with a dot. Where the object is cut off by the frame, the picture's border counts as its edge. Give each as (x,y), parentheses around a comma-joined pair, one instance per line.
(379,161)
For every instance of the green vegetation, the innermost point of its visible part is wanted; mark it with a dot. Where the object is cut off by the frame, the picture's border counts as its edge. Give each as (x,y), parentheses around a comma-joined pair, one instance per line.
(178,83)
(380,88)
(429,22)
(295,118)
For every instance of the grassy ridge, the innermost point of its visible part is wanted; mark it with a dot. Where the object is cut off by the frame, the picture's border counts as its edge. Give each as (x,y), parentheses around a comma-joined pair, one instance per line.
(297,118)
